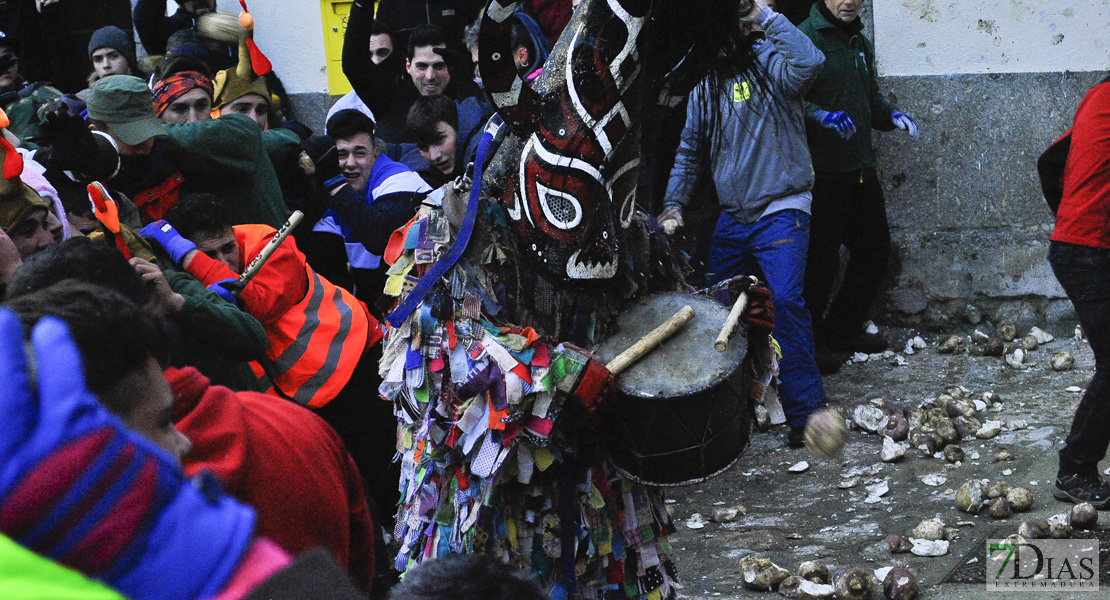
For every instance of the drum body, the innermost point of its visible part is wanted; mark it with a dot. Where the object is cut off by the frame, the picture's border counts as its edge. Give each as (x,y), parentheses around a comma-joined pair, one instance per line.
(683,412)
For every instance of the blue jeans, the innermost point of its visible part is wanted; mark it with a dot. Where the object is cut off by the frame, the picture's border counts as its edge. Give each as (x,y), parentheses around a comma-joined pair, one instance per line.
(776,245)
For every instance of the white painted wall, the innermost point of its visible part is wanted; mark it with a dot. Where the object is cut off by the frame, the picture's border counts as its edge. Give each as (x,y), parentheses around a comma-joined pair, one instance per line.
(290,33)
(939,37)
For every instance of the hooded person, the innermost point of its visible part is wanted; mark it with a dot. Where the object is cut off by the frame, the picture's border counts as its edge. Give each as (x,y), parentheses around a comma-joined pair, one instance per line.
(111,53)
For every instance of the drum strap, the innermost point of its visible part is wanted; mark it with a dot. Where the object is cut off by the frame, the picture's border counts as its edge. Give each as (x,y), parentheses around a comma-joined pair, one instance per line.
(455,252)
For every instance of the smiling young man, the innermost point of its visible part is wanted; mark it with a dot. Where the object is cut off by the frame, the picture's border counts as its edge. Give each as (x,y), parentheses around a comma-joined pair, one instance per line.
(428,63)
(374,196)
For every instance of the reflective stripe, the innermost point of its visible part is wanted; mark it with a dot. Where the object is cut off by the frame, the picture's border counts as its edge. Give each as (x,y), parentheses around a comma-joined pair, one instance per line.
(293,353)
(335,351)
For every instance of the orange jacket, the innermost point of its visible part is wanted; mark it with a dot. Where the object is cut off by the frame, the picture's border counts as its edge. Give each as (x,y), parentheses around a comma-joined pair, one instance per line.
(317,330)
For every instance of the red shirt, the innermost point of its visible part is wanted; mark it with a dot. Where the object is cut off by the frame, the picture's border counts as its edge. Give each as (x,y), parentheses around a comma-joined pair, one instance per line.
(285,462)
(1084,214)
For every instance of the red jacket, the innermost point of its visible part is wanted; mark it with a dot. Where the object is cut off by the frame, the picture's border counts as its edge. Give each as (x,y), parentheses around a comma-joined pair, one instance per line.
(282,460)
(1084,214)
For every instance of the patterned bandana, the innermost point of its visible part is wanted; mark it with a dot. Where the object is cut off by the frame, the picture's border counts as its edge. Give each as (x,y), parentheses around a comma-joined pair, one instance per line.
(177,85)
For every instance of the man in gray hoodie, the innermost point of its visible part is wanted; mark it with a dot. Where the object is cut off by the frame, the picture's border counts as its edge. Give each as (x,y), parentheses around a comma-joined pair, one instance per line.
(755,144)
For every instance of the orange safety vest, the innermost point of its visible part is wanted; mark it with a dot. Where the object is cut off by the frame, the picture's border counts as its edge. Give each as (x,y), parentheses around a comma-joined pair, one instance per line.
(316,344)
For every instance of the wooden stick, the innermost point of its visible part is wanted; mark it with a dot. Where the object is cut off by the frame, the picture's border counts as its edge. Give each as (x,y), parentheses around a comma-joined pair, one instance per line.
(256,264)
(730,324)
(650,341)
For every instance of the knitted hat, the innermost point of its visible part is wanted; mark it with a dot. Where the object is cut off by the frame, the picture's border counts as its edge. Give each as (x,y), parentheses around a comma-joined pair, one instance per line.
(247,76)
(115,38)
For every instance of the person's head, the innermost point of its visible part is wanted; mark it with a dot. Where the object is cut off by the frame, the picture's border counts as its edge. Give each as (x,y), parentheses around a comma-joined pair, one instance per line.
(425,66)
(123,350)
(252,105)
(353,133)
(522,45)
(433,122)
(25,217)
(111,52)
(196,8)
(123,107)
(183,97)
(845,10)
(203,220)
(381,43)
(467,577)
(470,40)
(9,64)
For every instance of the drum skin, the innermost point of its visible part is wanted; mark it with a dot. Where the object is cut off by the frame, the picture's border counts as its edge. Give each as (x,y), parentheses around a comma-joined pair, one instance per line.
(683,412)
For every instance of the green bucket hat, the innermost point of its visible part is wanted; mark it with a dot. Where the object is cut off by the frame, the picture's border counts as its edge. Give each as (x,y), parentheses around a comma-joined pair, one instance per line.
(126,105)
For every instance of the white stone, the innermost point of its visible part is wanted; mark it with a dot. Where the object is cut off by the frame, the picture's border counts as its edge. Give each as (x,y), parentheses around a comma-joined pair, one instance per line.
(1042,336)
(934,479)
(696,521)
(1074,389)
(989,430)
(918,343)
(859,357)
(876,492)
(892,451)
(929,547)
(870,328)
(799,467)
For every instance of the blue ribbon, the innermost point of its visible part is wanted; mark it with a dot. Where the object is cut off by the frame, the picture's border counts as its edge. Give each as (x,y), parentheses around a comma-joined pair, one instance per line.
(455,252)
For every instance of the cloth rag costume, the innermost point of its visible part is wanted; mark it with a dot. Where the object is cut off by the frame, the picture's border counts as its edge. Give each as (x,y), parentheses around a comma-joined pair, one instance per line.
(502,419)
(762,171)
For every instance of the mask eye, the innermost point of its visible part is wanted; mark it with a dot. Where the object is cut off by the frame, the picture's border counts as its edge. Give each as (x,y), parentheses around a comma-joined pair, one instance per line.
(561,209)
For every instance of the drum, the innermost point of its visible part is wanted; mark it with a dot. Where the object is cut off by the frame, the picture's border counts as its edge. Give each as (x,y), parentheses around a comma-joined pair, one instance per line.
(683,413)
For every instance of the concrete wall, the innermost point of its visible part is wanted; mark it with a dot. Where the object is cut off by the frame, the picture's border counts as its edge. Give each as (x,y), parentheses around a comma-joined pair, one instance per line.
(991,83)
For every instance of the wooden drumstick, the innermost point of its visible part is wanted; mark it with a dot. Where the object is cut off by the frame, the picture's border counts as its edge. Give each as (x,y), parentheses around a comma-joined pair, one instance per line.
(730,324)
(256,264)
(648,343)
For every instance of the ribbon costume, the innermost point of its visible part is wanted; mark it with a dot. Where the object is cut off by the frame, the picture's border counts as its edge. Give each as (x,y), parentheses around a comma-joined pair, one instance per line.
(502,418)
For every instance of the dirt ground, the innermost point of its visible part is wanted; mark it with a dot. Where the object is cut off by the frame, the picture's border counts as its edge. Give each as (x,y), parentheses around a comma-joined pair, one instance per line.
(793,517)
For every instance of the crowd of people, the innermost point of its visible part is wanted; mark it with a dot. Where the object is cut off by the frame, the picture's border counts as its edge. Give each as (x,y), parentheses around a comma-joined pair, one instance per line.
(179,331)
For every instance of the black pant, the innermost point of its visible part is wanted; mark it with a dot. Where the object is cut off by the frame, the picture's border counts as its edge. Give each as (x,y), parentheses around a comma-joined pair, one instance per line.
(848,209)
(1084,272)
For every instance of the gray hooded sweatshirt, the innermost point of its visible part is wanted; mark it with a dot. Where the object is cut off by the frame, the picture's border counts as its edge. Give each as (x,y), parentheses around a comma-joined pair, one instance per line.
(761,163)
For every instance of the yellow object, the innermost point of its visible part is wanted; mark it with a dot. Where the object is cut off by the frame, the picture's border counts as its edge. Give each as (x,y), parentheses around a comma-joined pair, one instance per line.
(334,14)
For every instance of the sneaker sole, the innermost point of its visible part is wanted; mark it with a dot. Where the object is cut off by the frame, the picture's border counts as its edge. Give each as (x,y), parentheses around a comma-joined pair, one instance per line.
(1064,496)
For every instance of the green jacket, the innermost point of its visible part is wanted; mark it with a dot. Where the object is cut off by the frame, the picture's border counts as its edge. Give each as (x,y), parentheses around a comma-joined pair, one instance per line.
(216,337)
(228,156)
(847,83)
(25,575)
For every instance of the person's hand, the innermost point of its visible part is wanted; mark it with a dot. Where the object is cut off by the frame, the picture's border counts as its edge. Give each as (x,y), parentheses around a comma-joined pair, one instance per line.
(161,293)
(904,122)
(760,311)
(324,155)
(73,146)
(670,219)
(170,240)
(224,289)
(839,121)
(9,257)
(154,525)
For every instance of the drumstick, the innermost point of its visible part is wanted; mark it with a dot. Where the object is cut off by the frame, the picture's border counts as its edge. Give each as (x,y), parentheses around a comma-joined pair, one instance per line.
(648,343)
(256,264)
(730,323)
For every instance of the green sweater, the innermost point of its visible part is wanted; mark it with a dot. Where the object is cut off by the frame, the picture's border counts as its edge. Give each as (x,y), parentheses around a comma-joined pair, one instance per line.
(229,157)
(847,83)
(216,337)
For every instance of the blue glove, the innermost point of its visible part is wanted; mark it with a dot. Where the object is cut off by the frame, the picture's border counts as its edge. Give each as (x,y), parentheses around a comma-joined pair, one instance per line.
(223,287)
(840,121)
(904,122)
(170,240)
(79,488)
